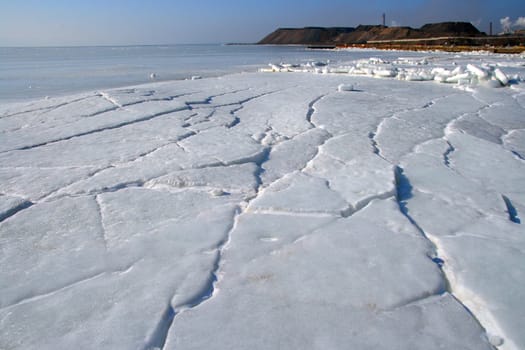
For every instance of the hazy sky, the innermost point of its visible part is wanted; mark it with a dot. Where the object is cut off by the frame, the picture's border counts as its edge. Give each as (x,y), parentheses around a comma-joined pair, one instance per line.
(114,22)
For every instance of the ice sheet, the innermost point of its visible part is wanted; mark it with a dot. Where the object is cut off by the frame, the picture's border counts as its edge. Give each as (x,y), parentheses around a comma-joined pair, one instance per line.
(256,211)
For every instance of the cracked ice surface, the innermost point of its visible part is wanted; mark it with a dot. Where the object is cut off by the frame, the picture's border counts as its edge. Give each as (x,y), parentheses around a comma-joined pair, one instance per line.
(258,211)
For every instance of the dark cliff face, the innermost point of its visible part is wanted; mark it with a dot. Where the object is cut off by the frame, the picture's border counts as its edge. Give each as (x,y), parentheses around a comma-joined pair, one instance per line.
(364,33)
(451,28)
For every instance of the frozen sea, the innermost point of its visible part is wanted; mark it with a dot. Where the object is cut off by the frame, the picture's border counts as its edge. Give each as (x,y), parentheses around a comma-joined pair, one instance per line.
(37,72)
(330,200)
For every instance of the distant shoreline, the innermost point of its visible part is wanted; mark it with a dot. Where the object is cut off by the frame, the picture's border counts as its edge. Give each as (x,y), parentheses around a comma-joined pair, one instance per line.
(445,36)
(519,49)
(445,48)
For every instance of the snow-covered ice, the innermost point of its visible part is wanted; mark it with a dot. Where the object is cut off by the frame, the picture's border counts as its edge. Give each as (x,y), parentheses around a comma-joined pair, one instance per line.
(309,206)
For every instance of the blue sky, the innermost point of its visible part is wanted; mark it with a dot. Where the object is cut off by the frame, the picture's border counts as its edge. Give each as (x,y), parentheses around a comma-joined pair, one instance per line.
(121,22)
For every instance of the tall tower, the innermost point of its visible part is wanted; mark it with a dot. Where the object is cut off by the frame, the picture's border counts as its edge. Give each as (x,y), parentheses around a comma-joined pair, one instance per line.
(490,29)
(384,19)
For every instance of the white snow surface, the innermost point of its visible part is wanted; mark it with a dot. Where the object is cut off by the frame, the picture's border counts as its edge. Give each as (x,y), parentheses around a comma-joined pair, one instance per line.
(270,211)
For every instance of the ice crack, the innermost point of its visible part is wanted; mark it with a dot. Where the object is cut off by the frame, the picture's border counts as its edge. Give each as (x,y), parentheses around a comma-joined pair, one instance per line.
(47,108)
(236,120)
(517,155)
(208,100)
(311,109)
(448,152)
(210,290)
(111,109)
(168,98)
(375,146)
(511,210)
(363,203)
(98,130)
(158,338)
(403,194)
(161,332)
(13,211)
(419,300)
(86,279)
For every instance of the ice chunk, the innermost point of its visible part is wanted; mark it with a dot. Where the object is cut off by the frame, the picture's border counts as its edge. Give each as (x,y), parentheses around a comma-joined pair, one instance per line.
(478,72)
(345,87)
(295,193)
(357,173)
(502,77)
(228,146)
(457,78)
(304,147)
(490,164)
(385,73)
